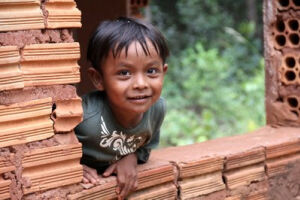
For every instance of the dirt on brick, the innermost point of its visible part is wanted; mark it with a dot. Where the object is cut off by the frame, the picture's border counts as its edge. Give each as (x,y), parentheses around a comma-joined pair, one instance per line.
(27,37)
(287,185)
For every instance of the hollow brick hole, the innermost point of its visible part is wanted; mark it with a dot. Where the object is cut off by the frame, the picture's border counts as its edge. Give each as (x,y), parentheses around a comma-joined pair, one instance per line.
(290,75)
(280,39)
(294,38)
(295,112)
(53,107)
(296,2)
(290,62)
(293,24)
(284,3)
(293,102)
(280,26)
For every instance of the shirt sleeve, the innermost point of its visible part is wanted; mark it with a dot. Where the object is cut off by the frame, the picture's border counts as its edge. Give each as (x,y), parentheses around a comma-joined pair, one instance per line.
(143,153)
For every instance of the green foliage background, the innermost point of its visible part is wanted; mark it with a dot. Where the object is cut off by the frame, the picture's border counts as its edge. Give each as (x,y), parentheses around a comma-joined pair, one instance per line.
(215,83)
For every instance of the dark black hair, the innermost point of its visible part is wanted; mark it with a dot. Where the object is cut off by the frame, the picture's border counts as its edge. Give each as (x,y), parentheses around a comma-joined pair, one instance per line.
(119,34)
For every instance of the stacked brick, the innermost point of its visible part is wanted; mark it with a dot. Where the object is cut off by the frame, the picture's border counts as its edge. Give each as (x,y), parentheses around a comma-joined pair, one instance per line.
(261,165)
(38,107)
(156,181)
(282,42)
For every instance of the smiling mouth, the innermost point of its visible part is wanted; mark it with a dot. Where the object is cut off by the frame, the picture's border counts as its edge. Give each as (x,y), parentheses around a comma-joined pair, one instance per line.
(139,97)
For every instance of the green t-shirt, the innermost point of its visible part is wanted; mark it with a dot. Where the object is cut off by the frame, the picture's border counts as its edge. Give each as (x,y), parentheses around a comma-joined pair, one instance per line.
(104,141)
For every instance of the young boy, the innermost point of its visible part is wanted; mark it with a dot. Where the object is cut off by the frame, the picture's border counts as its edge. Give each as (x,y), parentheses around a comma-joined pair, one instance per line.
(122,119)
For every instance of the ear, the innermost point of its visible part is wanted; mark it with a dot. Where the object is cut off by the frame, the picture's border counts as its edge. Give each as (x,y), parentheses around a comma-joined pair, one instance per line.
(96,78)
(165,68)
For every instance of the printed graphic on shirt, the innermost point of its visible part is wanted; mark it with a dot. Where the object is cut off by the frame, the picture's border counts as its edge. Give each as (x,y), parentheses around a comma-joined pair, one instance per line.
(118,141)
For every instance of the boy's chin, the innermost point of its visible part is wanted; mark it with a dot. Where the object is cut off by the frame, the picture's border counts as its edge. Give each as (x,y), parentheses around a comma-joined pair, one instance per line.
(141,110)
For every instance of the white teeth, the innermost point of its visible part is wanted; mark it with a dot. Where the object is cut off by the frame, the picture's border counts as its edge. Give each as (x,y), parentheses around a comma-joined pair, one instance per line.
(142,97)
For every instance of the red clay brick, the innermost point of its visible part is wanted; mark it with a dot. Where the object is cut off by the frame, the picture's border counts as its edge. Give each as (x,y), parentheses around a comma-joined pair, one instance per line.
(4,189)
(67,114)
(25,122)
(279,165)
(155,172)
(201,185)
(106,190)
(161,192)
(244,176)
(12,19)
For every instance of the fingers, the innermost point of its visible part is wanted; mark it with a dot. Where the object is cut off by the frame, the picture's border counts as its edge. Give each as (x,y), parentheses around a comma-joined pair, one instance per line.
(127,184)
(88,178)
(121,182)
(135,185)
(126,175)
(85,180)
(125,191)
(111,169)
(90,175)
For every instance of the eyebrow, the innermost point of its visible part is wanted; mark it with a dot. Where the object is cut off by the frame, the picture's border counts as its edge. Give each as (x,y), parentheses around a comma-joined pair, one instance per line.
(125,64)
(153,63)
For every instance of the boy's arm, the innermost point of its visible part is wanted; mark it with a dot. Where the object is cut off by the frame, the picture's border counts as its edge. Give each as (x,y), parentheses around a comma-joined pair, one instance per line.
(126,170)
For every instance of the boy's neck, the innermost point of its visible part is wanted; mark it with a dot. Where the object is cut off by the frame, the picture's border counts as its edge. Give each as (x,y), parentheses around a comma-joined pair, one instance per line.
(125,119)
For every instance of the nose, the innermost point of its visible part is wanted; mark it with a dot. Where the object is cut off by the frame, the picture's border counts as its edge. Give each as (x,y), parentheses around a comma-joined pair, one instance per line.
(140,82)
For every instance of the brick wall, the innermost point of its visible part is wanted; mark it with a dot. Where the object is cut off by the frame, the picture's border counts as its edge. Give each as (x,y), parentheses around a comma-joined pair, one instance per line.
(39,108)
(281,43)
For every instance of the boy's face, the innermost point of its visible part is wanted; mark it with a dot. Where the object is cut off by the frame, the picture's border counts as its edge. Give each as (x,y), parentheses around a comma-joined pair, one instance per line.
(134,82)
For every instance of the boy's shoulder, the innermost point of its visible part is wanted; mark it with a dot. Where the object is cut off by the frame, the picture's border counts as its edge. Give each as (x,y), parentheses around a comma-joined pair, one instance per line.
(158,110)
(92,103)
(160,104)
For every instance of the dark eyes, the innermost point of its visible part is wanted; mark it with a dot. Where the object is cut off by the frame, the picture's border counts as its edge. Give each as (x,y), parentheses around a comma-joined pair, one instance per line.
(124,73)
(152,71)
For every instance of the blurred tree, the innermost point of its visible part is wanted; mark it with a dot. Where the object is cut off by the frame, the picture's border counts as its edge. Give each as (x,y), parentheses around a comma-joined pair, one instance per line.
(215,83)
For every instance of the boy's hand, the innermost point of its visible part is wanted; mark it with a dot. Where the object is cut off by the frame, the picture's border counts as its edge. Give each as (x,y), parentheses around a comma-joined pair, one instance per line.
(90,175)
(126,174)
